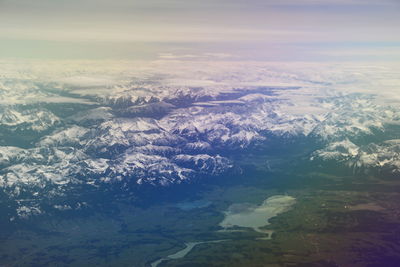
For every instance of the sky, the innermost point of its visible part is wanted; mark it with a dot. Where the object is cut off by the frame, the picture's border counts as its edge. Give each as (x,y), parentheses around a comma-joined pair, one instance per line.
(252,29)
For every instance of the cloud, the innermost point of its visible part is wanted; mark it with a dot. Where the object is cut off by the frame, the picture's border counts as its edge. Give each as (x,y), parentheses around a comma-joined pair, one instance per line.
(196,56)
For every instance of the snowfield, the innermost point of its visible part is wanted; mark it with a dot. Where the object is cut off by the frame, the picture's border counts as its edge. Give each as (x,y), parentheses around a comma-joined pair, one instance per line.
(166,122)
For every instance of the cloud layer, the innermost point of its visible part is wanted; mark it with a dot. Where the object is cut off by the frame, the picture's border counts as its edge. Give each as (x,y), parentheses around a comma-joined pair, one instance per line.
(271,29)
